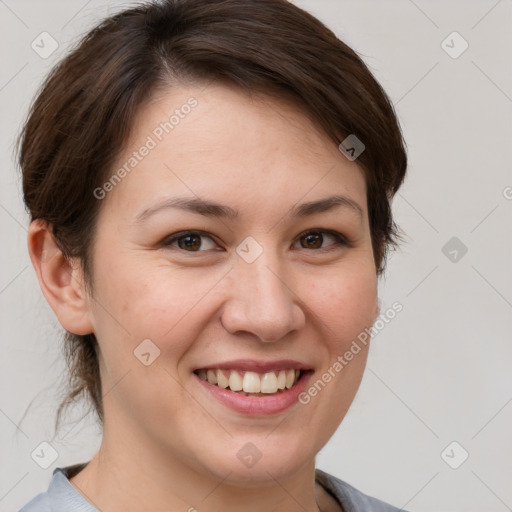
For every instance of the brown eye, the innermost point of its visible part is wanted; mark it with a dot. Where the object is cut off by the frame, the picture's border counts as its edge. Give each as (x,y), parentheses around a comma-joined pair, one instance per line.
(189,241)
(192,242)
(314,239)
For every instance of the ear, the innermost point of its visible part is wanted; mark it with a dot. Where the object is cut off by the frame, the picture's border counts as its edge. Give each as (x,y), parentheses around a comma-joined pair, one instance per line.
(60,278)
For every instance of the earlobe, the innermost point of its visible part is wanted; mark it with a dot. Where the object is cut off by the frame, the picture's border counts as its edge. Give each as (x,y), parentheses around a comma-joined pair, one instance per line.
(60,278)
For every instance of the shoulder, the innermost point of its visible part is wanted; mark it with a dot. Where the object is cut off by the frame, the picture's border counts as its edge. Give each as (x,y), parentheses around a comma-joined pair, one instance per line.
(61,496)
(41,503)
(351,499)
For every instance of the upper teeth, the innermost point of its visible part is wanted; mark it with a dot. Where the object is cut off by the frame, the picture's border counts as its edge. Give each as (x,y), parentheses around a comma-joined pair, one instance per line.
(251,382)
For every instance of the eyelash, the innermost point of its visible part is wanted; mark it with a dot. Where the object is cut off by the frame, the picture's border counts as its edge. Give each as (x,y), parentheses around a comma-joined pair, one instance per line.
(340,240)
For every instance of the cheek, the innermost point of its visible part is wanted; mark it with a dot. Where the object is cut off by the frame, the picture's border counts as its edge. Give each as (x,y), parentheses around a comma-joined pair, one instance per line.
(344,302)
(343,305)
(169,306)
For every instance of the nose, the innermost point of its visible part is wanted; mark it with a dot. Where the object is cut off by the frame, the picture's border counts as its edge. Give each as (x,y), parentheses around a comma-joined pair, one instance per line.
(261,301)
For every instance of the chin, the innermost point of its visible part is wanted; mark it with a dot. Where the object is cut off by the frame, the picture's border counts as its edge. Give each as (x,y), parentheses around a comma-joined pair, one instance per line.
(259,461)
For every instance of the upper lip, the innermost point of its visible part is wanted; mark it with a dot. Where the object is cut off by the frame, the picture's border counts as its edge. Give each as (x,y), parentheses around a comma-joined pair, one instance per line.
(253,365)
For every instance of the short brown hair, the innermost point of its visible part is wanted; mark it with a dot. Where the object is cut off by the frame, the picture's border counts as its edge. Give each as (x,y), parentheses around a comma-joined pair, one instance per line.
(82,116)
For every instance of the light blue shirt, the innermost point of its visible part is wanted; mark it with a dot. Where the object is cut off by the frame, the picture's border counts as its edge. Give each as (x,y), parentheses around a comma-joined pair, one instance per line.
(61,496)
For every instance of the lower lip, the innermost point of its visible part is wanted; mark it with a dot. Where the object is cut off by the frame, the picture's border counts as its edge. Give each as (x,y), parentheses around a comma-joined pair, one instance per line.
(258,405)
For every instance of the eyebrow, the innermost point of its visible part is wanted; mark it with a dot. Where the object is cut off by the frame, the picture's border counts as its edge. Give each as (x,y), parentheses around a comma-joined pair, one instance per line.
(209,208)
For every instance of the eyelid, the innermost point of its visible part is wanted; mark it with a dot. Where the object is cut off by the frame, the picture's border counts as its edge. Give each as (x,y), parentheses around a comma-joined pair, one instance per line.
(168,240)
(341,240)
(340,237)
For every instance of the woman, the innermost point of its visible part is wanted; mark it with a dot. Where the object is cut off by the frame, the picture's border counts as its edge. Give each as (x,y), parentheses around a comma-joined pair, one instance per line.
(209,184)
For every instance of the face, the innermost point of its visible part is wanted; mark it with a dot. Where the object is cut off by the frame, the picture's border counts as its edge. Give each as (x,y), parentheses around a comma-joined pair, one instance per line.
(262,285)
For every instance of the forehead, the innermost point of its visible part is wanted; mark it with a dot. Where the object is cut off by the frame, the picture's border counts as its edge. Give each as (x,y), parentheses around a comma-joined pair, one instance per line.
(220,142)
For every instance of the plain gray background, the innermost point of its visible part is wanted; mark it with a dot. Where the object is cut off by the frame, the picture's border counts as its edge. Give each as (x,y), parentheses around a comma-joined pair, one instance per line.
(440,371)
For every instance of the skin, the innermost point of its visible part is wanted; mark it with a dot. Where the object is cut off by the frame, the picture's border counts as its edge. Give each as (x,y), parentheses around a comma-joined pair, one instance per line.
(167,445)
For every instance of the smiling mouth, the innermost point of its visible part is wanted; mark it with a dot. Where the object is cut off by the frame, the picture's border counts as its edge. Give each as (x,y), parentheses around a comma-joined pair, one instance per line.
(249,383)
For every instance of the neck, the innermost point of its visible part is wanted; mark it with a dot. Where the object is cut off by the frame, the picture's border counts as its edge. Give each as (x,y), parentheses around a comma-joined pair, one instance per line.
(126,475)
